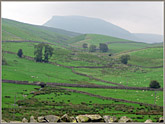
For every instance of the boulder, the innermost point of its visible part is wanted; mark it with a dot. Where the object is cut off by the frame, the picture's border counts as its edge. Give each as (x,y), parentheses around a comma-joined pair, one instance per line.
(24,120)
(82,118)
(95,118)
(52,118)
(125,119)
(110,119)
(161,119)
(15,122)
(32,120)
(73,119)
(148,121)
(65,118)
(42,119)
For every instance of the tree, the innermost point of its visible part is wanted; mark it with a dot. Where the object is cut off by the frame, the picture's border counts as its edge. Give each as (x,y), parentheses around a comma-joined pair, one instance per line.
(103,47)
(43,52)
(48,52)
(154,84)
(85,45)
(124,59)
(20,53)
(92,48)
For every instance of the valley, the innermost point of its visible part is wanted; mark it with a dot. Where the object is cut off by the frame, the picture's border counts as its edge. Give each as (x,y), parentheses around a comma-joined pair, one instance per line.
(91,82)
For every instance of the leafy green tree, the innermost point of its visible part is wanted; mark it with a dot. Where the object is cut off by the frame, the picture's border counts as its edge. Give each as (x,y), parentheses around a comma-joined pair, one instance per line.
(38,52)
(154,84)
(43,52)
(85,45)
(92,48)
(103,47)
(124,59)
(48,52)
(20,53)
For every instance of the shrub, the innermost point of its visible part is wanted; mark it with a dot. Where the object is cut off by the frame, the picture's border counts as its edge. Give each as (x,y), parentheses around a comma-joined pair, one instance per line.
(92,48)
(103,47)
(85,45)
(124,59)
(20,53)
(154,84)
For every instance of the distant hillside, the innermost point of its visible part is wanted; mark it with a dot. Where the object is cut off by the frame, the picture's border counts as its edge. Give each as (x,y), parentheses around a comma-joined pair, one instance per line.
(18,31)
(88,25)
(95,39)
(149,38)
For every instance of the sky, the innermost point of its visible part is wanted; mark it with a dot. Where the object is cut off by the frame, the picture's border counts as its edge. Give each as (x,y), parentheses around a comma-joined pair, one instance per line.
(136,17)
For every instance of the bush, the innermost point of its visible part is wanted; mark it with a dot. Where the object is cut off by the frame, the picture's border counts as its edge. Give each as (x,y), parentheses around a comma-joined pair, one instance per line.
(124,59)
(20,53)
(85,45)
(92,48)
(103,47)
(154,84)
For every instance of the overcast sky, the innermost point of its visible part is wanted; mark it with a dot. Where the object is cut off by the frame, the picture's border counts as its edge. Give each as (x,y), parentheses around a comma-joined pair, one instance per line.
(136,17)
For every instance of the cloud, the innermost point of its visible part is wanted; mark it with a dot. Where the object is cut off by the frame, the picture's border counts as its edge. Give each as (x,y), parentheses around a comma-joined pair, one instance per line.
(136,17)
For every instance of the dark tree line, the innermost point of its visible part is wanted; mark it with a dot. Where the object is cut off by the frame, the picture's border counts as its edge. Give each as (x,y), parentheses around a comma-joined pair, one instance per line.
(92,48)
(43,52)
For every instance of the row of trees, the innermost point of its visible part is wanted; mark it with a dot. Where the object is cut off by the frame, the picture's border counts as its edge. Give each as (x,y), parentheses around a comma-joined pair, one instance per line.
(42,52)
(92,48)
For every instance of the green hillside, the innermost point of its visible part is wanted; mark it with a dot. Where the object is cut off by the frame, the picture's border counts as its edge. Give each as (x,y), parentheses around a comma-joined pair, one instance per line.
(72,64)
(115,45)
(17,31)
(95,39)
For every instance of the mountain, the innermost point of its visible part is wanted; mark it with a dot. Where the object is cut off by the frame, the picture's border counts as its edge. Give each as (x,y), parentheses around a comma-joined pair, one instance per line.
(18,31)
(149,38)
(88,25)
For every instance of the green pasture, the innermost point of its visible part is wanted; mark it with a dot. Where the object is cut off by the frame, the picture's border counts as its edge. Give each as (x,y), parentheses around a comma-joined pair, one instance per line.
(27,70)
(51,100)
(128,76)
(130,95)
(147,57)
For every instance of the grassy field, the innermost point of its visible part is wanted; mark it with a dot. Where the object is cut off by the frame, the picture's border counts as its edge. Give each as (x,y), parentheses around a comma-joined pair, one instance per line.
(26,70)
(129,76)
(153,57)
(58,102)
(68,51)
(139,96)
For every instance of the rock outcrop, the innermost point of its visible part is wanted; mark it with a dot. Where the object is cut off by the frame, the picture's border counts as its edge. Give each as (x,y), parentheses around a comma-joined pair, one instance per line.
(32,120)
(161,119)
(125,119)
(95,118)
(148,121)
(42,119)
(52,118)
(110,119)
(82,118)
(79,119)
(24,120)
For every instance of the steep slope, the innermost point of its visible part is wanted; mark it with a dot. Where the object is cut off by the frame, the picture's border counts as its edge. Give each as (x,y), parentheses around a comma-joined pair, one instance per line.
(17,31)
(88,25)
